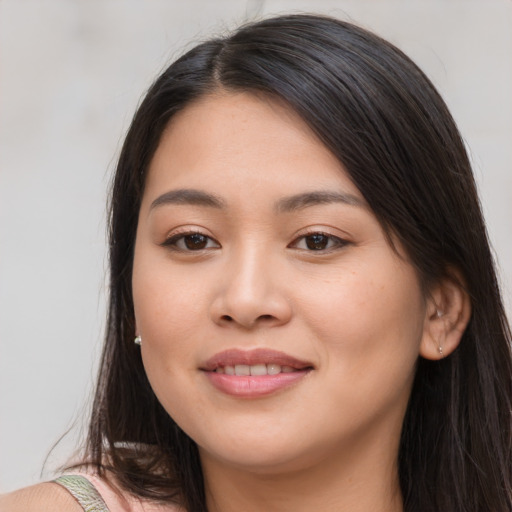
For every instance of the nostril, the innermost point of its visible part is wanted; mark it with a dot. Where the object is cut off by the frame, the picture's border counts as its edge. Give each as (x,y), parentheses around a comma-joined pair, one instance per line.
(259,319)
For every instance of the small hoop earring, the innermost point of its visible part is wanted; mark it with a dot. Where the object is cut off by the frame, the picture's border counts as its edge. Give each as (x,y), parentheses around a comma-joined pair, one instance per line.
(138,340)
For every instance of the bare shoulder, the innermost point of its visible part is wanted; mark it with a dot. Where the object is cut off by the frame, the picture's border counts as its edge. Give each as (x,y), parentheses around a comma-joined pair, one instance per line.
(46,497)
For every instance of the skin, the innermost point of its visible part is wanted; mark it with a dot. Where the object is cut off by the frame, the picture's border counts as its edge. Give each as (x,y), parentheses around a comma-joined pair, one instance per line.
(46,497)
(350,305)
(355,310)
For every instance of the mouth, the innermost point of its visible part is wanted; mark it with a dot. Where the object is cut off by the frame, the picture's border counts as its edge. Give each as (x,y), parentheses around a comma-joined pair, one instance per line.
(254,373)
(255,369)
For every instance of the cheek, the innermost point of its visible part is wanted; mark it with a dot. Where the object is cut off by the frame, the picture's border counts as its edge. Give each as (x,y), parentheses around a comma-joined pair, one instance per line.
(368,331)
(168,321)
(370,322)
(167,309)
(166,300)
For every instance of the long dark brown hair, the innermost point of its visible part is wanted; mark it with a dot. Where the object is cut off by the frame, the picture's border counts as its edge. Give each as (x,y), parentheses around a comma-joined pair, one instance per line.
(388,126)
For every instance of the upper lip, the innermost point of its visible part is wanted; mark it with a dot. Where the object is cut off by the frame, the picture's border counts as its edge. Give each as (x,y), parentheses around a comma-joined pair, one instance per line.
(233,357)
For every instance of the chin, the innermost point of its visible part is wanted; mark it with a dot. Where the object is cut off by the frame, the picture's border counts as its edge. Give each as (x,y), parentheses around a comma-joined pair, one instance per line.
(261,460)
(265,451)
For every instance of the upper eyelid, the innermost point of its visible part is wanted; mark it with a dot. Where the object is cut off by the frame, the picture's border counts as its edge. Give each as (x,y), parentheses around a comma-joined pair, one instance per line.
(344,237)
(175,236)
(185,230)
(336,243)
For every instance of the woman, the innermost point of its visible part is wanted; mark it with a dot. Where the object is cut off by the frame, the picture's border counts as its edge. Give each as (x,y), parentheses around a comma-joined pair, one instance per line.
(298,252)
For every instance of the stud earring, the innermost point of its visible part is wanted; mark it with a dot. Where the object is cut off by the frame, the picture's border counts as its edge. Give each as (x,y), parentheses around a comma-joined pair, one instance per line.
(138,340)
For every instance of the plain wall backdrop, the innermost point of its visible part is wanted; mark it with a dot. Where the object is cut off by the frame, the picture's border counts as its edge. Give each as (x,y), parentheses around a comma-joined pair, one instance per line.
(71,75)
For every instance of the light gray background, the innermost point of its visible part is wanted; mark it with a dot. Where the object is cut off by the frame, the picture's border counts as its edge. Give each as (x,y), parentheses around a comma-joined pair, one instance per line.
(71,74)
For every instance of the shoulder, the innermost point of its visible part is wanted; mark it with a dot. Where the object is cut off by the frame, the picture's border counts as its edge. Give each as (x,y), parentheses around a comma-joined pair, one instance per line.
(45,497)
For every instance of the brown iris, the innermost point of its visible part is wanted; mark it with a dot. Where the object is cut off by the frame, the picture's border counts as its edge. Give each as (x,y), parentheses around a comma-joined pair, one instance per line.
(195,241)
(316,242)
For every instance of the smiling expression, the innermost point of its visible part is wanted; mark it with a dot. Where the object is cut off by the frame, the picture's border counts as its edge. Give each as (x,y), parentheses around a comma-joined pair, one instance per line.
(279,327)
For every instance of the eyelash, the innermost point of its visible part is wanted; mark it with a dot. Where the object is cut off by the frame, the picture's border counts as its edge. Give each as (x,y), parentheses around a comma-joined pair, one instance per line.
(335,242)
(173,241)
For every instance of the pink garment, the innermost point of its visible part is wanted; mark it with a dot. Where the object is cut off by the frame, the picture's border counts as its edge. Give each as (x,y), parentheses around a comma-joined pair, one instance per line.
(117,502)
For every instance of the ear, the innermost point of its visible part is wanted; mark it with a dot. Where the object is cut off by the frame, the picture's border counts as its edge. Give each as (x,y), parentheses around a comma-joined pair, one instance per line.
(447,315)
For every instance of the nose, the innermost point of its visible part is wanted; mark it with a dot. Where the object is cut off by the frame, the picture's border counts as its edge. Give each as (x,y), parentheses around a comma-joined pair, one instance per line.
(251,293)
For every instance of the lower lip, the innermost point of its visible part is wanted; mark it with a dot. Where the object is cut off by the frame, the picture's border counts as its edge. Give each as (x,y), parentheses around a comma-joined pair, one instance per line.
(254,386)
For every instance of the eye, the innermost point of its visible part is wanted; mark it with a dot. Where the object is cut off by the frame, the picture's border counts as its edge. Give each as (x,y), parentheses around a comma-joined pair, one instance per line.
(318,242)
(191,242)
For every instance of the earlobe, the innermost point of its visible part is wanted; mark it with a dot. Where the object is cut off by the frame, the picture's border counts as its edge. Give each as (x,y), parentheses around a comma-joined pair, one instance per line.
(447,315)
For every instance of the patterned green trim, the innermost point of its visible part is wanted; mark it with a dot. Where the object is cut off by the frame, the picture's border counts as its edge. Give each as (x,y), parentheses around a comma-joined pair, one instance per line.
(84,492)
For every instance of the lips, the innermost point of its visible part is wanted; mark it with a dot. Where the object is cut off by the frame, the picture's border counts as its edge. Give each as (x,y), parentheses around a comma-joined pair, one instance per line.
(254,373)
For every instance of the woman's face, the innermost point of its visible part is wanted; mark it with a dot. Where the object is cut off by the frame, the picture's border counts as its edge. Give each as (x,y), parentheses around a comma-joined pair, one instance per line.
(279,327)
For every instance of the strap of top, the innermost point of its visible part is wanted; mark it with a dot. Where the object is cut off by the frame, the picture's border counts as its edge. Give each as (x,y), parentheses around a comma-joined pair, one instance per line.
(84,492)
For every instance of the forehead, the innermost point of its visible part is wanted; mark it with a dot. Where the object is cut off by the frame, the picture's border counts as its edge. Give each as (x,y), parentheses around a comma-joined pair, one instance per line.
(243,142)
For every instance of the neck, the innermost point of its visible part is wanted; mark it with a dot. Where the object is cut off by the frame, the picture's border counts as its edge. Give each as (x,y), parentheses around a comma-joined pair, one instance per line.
(355,480)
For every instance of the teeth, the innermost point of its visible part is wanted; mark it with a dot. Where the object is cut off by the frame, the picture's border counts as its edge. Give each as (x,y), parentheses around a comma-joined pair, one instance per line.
(259,369)
(273,369)
(242,369)
(255,369)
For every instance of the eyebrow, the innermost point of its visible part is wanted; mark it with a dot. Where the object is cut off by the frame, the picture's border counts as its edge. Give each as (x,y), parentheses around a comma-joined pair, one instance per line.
(284,205)
(307,199)
(188,196)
